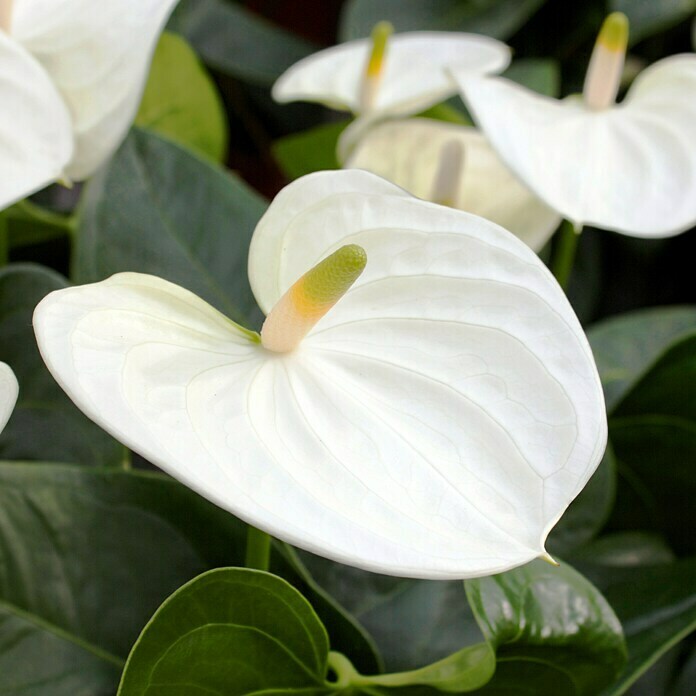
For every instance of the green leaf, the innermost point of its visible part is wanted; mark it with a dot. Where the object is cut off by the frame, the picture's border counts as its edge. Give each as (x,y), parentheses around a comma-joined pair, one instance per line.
(657,607)
(182,102)
(413,622)
(542,75)
(157,208)
(656,455)
(45,423)
(626,346)
(668,387)
(553,632)
(310,151)
(589,512)
(626,549)
(87,555)
(238,42)
(230,631)
(497,18)
(648,17)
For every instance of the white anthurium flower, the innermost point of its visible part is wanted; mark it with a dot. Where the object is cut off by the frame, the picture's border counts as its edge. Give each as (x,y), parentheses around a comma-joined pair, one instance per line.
(9,390)
(72,74)
(388,76)
(421,400)
(628,167)
(454,165)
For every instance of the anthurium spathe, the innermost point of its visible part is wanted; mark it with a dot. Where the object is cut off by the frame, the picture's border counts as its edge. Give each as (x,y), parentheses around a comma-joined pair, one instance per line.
(390,75)
(71,76)
(628,167)
(454,165)
(421,399)
(9,389)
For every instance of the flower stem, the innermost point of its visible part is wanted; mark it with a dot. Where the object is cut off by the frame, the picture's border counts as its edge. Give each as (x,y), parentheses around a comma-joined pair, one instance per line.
(258,550)
(564,252)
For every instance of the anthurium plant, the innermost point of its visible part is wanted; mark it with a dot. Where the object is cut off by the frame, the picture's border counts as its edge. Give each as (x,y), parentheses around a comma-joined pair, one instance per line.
(398,402)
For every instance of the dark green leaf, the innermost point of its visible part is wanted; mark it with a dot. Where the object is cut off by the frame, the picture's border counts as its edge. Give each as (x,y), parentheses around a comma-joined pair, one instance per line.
(157,208)
(657,455)
(648,17)
(312,150)
(626,346)
(45,424)
(28,223)
(668,387)
(497,18)
(181,101)
(86,557)
(413,622)
(626,550)
(230,631)
(233,40)
(553,631)
(657,607)
(589,512)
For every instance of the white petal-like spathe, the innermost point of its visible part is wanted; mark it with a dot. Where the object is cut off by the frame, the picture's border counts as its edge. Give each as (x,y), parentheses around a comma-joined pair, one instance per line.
(630,168)
(415,71)
(409,153)
(35,131)
(98,55)
(435,423)
(9,390)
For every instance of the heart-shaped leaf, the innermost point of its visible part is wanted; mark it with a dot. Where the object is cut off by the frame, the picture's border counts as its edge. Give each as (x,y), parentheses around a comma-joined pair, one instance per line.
(159,209)
(230,631)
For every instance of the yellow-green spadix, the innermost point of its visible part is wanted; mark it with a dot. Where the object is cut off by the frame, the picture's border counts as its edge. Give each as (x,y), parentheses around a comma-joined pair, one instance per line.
(435,421)
(71,78)
(628,167)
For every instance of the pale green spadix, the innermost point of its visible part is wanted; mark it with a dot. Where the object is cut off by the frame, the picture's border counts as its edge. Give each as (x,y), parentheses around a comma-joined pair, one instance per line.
(628,167)
(76,76)
(434,422)
(454,165)
(9,390)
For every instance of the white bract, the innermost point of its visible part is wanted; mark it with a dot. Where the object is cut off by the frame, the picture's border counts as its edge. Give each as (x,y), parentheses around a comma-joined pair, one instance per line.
(435,421)
(388,76)
(628,167)
(454,165)
(72,74)
(9,390)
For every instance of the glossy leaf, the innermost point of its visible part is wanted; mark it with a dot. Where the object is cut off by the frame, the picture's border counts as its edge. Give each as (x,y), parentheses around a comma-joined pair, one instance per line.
(552,630)
(626,346)
(181,102)
(231,631)
(543,75)
(497,18)
(89,554)
(230,38)
(45,423)
(159,209)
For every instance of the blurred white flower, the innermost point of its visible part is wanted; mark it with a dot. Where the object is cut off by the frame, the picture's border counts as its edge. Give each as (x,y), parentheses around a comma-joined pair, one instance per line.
(628,167)
(72,74)
(421,400)
(454,165)
(9,390)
